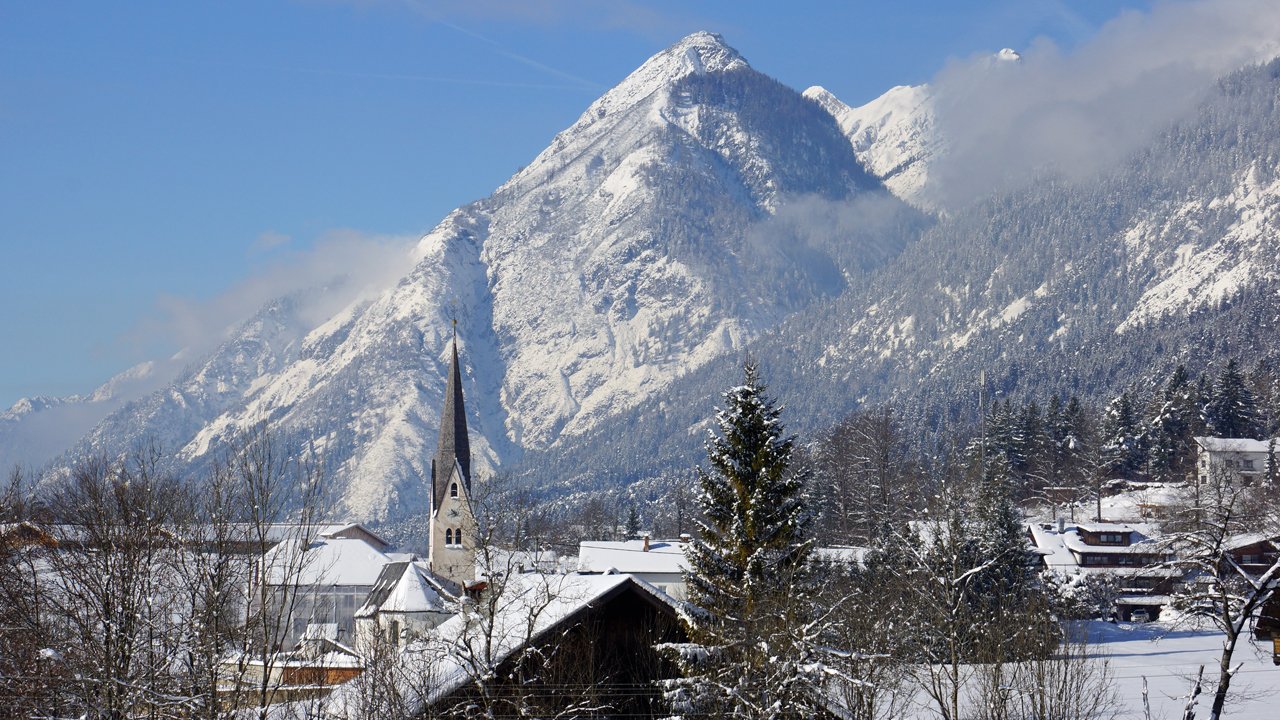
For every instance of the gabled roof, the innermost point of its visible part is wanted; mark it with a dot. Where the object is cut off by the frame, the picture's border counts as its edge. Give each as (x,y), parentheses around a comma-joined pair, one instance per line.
(328,561)
(406,587)
(1244,540)
(1216,444)
(20,534)
(629,556)
(550,601)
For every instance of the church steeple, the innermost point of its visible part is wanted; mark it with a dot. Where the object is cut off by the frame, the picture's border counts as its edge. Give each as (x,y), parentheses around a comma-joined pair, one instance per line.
(454,447)
(452,552)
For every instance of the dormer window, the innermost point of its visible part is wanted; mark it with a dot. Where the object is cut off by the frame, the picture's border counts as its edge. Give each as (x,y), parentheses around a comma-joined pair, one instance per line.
(453,490)
(448,536)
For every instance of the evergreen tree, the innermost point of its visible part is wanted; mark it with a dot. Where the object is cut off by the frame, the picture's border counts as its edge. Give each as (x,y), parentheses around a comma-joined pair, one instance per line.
(751,645)
(1053,440)
(1008,593)
(1232,411)
(1077,440)
(1030,466)
(1122,447)
(633,522)
(1171,432)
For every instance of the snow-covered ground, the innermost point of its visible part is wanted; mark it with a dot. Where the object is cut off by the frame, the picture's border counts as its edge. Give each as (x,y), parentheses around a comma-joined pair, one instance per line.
(1169,657)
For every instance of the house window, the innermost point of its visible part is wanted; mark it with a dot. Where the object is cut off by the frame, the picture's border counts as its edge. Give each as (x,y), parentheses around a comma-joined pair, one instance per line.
(1247,464)
(1251,560)
(448,536)
(453,490)
(457,536)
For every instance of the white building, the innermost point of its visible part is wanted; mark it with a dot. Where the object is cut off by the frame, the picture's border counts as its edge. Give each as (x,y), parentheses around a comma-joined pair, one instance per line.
(329,577)
(406,602)
(660,563)
(1239,458)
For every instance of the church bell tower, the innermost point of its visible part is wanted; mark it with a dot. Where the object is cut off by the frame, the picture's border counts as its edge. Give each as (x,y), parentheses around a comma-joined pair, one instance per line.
(453,528)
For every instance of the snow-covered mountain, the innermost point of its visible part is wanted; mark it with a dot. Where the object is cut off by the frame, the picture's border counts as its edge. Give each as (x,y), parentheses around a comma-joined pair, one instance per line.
(36,430)
(624,255)
(699,210)
(893,136)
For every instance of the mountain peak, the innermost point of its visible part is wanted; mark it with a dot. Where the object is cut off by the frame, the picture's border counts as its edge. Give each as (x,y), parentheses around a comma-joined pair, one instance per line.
(705,51)
(699,53)
(696,54)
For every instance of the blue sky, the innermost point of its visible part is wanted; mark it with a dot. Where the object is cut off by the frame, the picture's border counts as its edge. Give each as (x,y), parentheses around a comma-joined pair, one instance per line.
(153,155)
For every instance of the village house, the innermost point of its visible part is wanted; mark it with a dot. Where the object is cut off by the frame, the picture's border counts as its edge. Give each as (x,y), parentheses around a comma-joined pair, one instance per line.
(406,602)
(660,563)
(1241,459)
(329,577)
(1255,554)
(1128,555)
(594,633)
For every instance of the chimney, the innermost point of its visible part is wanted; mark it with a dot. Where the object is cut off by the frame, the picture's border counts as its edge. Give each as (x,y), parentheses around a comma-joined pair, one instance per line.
(646,543)
(1062,524)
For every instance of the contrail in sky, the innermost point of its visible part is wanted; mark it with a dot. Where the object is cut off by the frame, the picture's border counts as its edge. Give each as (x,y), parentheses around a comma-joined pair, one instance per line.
(502,50)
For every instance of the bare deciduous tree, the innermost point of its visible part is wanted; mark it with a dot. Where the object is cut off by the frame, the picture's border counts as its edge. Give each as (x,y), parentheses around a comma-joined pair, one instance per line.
(1224,513)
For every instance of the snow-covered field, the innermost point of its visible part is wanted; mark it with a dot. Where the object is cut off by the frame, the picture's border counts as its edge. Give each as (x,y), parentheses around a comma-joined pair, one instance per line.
(1169,659)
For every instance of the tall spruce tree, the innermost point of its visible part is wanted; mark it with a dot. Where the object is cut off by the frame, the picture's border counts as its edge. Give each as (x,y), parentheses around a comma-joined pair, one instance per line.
(1122,448)
(1170,433)
(751,649)
(1232,410)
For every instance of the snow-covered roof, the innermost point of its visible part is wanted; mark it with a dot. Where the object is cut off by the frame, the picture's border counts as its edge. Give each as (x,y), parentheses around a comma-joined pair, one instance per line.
(1140,545)
(405,587)
(1242,540)
(1215,444)
(500,561)
(629,556)
(546,600)
(321,631)
(1144,600)
(1102,527)
(1056,549)
(328,561)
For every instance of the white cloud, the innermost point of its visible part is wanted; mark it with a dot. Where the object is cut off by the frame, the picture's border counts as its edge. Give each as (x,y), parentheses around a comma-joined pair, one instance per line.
(349,264)
(1080,111)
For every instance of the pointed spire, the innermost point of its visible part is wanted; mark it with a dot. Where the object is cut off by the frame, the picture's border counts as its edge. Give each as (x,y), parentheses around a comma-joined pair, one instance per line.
(454,448)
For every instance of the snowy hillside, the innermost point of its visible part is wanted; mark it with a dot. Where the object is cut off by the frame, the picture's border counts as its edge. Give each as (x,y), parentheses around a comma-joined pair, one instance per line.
(893,136)
(36,430)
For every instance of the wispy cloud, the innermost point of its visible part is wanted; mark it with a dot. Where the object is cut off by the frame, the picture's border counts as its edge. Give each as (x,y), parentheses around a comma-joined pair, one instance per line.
(349,264)
(268,241)
(624,15)
(615,15)
(1081,110)
(529,62)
